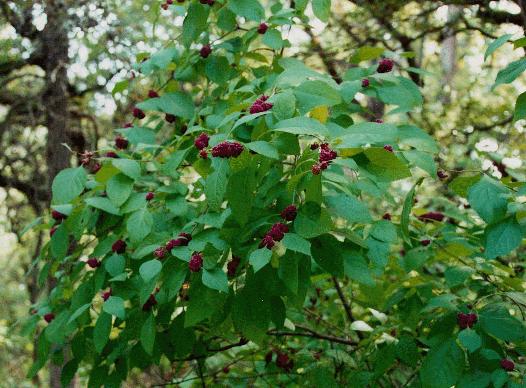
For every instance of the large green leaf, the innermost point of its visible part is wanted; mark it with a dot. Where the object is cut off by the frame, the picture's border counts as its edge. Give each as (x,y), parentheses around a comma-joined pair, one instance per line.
(128,167)
(101,332)
(176,103)
(311,94)
(68,184)
(139,225)
(497,321)
(104,204)
(502,238)
(150,269)
(487,197)
(216,185)
(443,365)
(115,306)
(348,207)
(119,188)
(496,44)
(302,126)
(195,22)
(250,9)
(386,165)
(510,72)
(148,334)
(322,9)
(326,251)
(215,279)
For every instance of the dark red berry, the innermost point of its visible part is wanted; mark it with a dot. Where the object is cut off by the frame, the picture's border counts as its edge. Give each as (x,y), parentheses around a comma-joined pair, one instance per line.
(431,216)
(106,295)
(284,362)
(205,51)
(379,121)
(267,242)
(227,149)
(149,303)
(49,317)
(93,262)
(201,141)
(365,83)
(260,105)
(316,169)
(111,154)
(232,266)
(507,365)
(402,252)
(268,357)
(128,125)
(137,113)
(314,146)
(441,174)
(263,27)
(389,148)
(119,246)
(169,2)
(289,213)
(277,231)
(425,243)
(121,143)
(153,93)
(203,154)
(385,65)
(169,118)
(466,320)
(149,196)
(95,168)
(226,369)
(186,237)
(326,154)
(160,252)
(58,216)
(164,6)
(196,262)
(52,231)
(387,216)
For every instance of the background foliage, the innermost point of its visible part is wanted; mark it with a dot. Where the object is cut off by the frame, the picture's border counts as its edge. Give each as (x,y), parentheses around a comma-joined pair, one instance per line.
(367,284)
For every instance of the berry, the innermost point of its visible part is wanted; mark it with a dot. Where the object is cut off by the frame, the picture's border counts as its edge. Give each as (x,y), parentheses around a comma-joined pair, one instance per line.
(226,369)
(184,128)
(425,243)
(169,2)
(284,362)
(153,93)
(201,141)
(466,320)
(183,240)
(52,231)
(316,169)
(121,143)
(95,168)
(169,118)
(507,365)
(232,266)
(205,51)
(93,262)
(49,317)
(379,121)
(196,262)
(387,216)
(263,27)
(324,165)
(402,252)
(149,196)
(149,303)
(314,146)
(160,252)
(388,148)
(365,83)
(431,216)
(385,65)
(268,357)
(203,154)
(186,237)
(172,244)
(267,242)
(227,149)
(441,174)
(106,295)
(119,246)
(111,154)
(277,231)
(326,154)
(164,6)
(128,125)
(137,113)
(58,216)
(260,105)
(289,213)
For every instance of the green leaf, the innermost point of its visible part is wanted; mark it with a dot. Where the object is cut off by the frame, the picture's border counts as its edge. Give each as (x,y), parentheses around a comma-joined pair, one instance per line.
(326,251)
(461,184)
(60,243)
(138,135)
(250,9)
(217,69)
(487,197)
(264,148)
(362,134)
(115,306)
(442,366)
(296,243)
(260,258)
(367,53)
(284,105)
(496,321)
(302,126)
(215,279)
(312,221)
(502,238)
(119,188)
(139,225)
(216,185)
(355,267)
(115,264)
(348,207)
(150,269)
(148,334)
(128,167)
(405,93)
(101,332)
(103,204)
(251,312)
(273,39)
(520,107)
(386,165)
(384,230)
(313,93)
(322,9)
(406,210)
(68,184)
(496,44)
(349,89)
(78,312)
(510,72)
(195,22)
(120,87)
(241,194)
(469,339)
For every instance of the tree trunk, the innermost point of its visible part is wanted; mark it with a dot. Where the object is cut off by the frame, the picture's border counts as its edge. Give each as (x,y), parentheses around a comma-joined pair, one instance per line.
(55,43)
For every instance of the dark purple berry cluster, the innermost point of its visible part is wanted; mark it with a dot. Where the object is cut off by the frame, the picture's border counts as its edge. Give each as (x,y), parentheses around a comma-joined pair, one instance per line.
(276,233)
(196,262)
(326,156)
(466,320)
(181,241)
(205,51)
(227,149)
(201,141)
(385,65)
(261,105)
(232,266)
(263,27)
